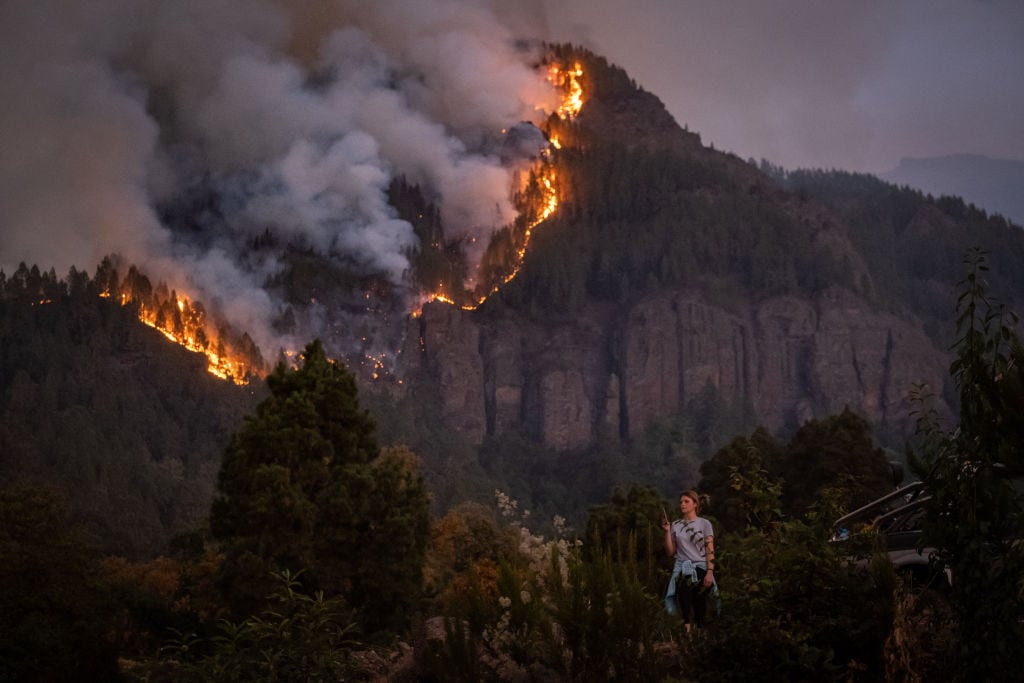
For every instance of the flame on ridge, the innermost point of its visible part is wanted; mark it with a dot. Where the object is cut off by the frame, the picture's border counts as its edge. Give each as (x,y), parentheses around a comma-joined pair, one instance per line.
(185,323)
(568,80)
(189,327)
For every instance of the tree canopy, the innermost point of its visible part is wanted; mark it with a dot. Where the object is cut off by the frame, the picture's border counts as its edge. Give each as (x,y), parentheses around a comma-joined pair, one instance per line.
(833,457)
(54,609)
(836,452)
(95,403)
(304,486)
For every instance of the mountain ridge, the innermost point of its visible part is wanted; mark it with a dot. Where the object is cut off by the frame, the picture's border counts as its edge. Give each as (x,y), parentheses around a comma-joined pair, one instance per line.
(993,184)
(677,297)
(787,243)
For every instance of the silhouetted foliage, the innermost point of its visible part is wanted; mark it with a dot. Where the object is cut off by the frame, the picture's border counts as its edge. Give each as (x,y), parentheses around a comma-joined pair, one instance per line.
(303,486)
(301,637)
(834,453)
(975,513)
(755,480)
(55,617)
(103,407)
(628,529)
(739,482)
(795,607)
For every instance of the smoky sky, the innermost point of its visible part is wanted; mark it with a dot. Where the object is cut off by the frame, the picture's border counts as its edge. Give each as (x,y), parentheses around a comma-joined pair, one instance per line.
(294,115)
(847,85)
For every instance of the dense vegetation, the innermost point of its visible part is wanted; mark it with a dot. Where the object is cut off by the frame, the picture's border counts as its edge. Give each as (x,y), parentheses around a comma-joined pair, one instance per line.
(304,486)
(974,473)
(102,407)
(491,599)
(638,213)
(139,464)
(55,607)
(639,220)
(306,495)
(912,243)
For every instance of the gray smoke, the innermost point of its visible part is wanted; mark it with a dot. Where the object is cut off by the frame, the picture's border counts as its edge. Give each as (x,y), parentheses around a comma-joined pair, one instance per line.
(296,116)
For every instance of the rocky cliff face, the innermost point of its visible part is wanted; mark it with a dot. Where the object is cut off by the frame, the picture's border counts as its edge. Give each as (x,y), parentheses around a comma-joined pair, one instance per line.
(613,371)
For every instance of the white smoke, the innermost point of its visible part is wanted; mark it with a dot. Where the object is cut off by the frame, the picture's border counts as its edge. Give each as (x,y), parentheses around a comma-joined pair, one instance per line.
(296,115)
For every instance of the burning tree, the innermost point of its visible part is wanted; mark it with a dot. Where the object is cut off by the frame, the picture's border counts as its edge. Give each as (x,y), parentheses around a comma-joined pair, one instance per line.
(182,320)
(304,486)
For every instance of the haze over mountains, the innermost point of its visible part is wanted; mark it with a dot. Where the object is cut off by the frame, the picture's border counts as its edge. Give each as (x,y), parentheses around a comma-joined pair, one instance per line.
(673,297)
(203,140)
(995,185)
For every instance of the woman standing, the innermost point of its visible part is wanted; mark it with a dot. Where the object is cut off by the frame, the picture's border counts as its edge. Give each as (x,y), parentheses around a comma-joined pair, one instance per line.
(691,540)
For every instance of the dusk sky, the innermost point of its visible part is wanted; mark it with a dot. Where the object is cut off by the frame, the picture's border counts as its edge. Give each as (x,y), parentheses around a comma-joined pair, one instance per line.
(850,85)
(299,113)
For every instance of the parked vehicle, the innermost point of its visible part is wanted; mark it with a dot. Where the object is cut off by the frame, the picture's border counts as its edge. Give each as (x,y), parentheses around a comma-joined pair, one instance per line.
(899,518)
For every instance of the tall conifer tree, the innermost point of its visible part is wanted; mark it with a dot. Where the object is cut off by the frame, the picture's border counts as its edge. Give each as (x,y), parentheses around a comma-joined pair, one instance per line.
(304,486)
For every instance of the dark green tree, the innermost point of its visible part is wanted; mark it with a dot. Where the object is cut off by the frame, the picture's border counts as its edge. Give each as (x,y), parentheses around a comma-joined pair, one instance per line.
(738,482)
(304,486)
(54,614)
(833,453)
(976,514)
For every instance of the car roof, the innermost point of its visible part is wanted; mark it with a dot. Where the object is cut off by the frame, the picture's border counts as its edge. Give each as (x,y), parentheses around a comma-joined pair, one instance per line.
(910,495)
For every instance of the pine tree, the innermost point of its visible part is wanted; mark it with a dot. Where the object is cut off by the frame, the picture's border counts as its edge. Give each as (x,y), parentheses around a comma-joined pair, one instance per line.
(304,486)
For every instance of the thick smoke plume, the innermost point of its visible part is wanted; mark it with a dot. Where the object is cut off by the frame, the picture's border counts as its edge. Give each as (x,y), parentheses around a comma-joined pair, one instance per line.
(289,118)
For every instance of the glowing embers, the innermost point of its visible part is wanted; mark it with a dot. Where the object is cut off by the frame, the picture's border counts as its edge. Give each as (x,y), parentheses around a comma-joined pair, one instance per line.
(548,204)
(185,323)
(538,198)
(445,299)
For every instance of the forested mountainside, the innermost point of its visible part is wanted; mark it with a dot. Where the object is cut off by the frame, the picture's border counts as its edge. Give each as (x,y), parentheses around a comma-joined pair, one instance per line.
(676,297)
(93,402)
(644,206)
(671,272)
(914,243)
(995,185)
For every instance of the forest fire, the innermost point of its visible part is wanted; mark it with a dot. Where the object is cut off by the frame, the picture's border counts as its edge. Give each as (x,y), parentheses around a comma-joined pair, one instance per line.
(543,176)
(569,80)
(549,202)
(195,339)
(186,323)
(230,357)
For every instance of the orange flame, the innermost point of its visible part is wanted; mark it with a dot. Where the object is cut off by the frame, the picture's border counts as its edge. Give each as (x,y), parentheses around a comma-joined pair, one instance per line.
(568,79)
(185,323)
(191,329)
(572,102)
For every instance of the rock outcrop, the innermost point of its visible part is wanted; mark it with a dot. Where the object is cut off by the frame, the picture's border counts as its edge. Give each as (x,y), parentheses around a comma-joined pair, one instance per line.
(614,371)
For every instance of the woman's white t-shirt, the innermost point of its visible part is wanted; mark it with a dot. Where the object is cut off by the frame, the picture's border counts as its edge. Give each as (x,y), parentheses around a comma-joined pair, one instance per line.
(689,537)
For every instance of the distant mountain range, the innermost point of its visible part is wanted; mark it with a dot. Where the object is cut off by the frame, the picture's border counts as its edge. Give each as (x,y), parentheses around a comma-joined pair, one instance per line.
(995,185)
